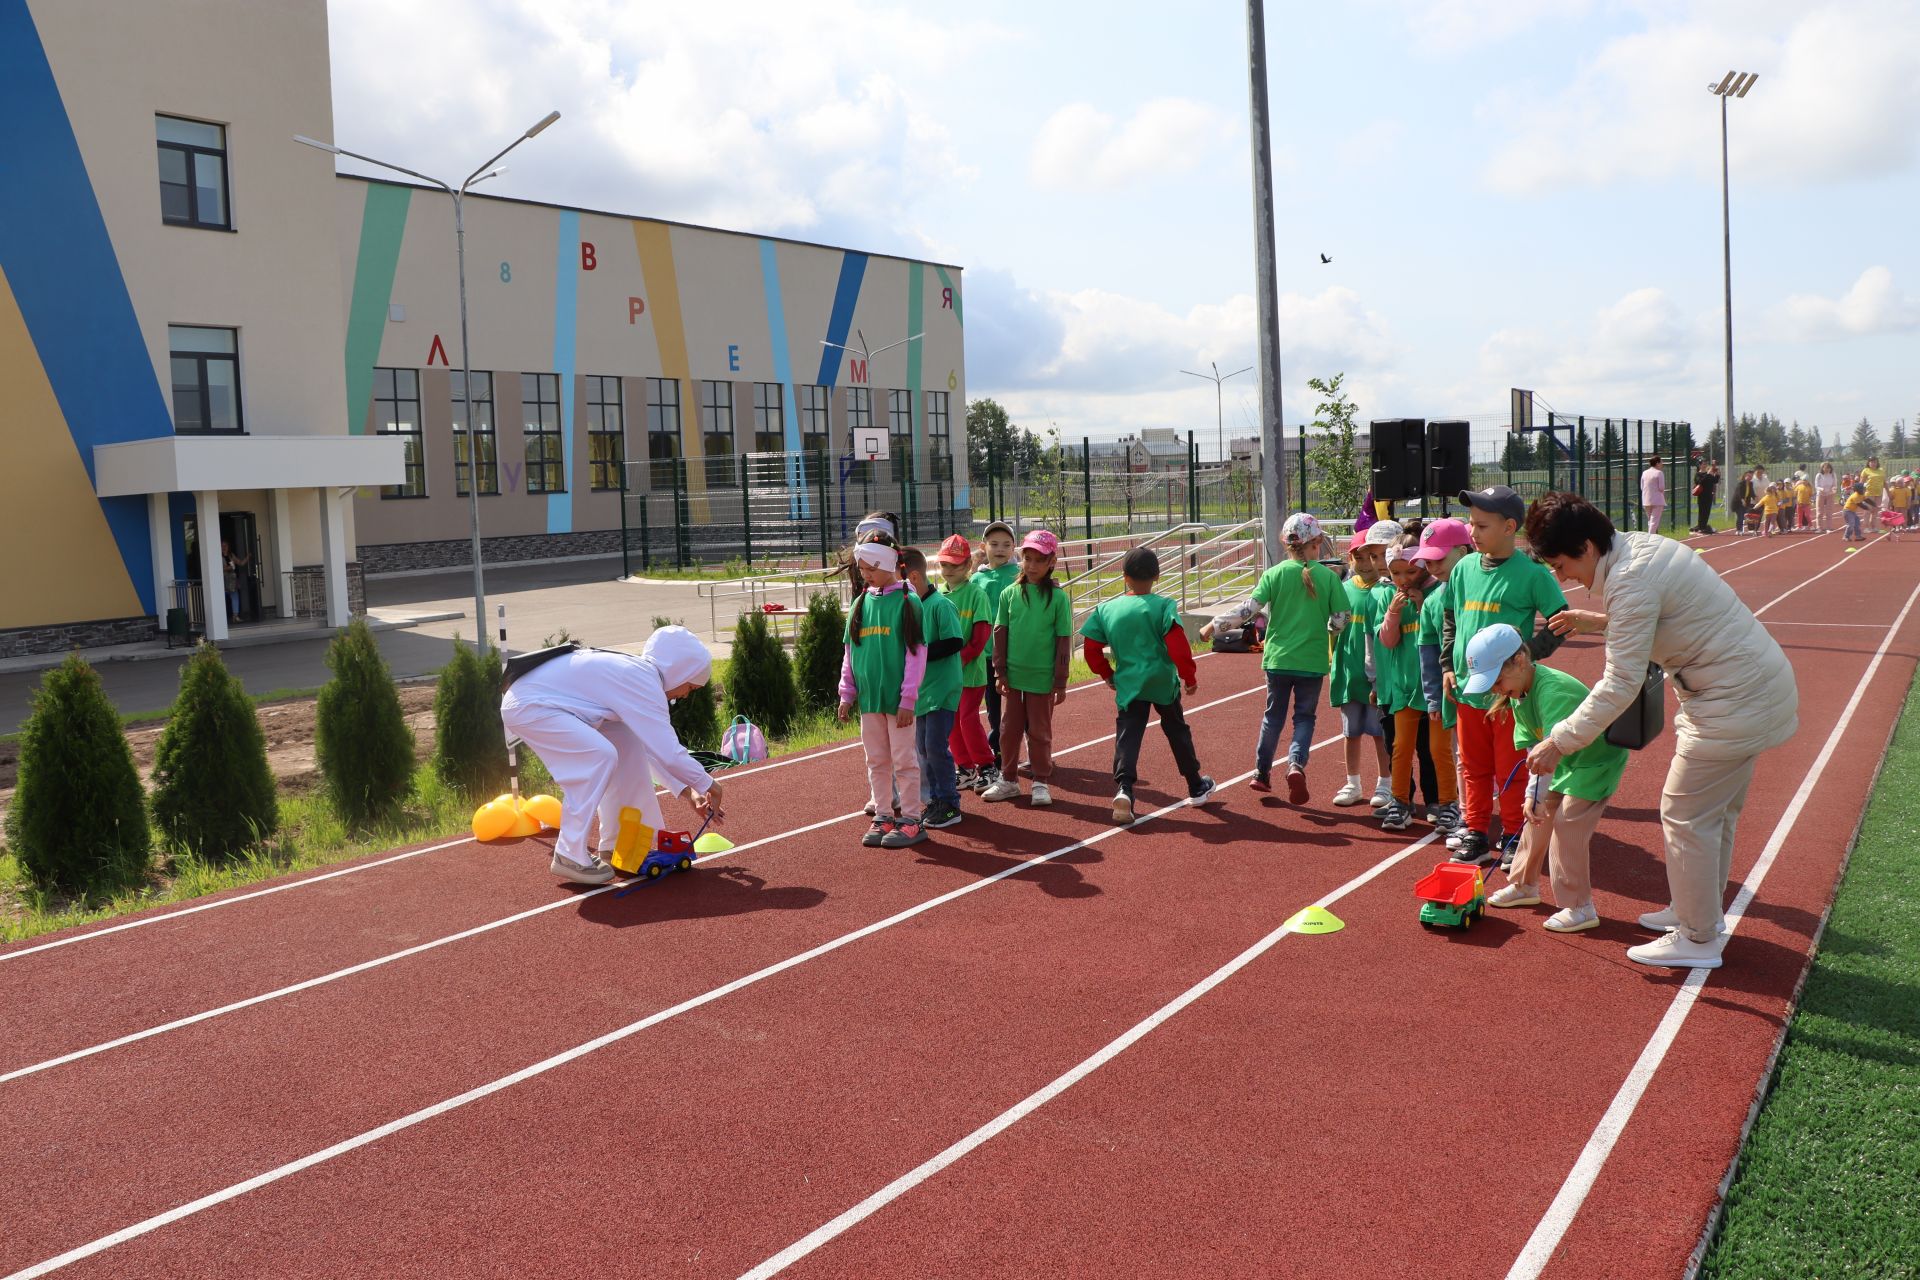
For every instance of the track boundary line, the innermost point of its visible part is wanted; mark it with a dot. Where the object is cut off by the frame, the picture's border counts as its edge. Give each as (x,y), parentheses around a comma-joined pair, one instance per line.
(1837,564)
(1061,1083)
(1566,1204)
(143,921)
(153,1223)
(434,944)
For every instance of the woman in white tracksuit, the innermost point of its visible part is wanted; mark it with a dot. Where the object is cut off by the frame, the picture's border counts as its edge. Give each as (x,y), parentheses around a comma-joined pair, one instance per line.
(599,721)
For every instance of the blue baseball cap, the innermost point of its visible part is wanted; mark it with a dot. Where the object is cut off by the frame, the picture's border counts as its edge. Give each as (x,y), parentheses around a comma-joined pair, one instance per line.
(1487,652)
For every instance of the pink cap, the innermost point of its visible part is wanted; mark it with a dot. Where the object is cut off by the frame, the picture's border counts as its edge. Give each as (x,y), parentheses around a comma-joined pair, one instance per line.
(1442,536)
(1356,542)
(1041,540)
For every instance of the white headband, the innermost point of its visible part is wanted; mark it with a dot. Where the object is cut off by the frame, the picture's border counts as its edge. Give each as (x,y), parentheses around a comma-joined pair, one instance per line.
(874,525)
(877,555)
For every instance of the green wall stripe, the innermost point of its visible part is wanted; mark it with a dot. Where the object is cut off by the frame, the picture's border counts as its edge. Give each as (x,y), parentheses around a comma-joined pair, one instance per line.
(381,226)
(946,281)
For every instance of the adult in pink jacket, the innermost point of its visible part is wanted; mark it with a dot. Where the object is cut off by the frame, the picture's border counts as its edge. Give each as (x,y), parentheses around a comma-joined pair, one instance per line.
(1662,603)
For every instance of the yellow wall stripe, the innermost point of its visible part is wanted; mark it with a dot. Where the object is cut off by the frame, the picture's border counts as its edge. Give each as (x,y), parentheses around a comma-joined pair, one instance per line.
(654,241)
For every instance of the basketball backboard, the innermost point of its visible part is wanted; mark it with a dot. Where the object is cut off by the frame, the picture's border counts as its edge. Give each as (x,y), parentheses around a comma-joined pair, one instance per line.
(870,444)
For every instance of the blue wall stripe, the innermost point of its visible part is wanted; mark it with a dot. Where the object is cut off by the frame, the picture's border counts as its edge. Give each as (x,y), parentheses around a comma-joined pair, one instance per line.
(566,298)
(798,503)
(66,278)
(853,267)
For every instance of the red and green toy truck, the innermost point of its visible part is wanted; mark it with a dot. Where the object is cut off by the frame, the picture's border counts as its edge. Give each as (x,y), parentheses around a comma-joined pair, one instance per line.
(1452,895)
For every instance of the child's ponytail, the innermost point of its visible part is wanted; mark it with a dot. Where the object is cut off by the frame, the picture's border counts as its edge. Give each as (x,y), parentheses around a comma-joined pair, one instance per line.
(1306,580)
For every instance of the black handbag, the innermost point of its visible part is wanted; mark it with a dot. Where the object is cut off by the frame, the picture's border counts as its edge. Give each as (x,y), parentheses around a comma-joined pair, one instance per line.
(521,663)
(1645,716)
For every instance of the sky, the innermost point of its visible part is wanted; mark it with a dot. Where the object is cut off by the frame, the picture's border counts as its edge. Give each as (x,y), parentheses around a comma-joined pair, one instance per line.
(1512,192)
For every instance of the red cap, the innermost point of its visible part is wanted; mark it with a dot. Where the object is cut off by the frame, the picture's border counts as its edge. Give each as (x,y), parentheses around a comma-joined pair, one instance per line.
(955,550)
(1357,541)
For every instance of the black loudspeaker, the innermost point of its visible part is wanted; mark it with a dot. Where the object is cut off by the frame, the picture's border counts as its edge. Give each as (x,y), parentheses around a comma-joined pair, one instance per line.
(1447,457)
(1399,458)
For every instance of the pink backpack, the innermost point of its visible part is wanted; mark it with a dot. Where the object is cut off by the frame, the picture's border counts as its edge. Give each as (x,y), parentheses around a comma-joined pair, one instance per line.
(743,743)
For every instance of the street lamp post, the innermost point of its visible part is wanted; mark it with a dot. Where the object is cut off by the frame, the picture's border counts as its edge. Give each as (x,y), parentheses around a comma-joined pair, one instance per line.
(1273,457)
(1735,85)
(479,175)
(1219,418)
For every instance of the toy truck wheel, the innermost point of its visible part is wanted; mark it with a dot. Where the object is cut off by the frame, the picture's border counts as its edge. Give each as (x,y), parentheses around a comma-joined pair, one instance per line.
(1466,919)
(653,871)
(685,863)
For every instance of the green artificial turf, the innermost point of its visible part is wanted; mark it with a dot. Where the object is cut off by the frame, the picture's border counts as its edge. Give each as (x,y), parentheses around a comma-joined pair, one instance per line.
(1829,1183)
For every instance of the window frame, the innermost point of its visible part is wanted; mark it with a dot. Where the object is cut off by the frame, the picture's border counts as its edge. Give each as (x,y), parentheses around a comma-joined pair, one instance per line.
(543,444)
(663,440)
(720,461)
(191,152)
(814,399)
(769,417)
(488,456)
(386,424)
(939,429)
(899,402)
(606,446)
(202,385)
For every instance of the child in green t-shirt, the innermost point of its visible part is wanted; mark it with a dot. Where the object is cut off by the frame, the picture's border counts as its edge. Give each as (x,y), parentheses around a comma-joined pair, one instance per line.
(971,753)
(997,569)
(880,674)
(1560,822)
(1443,544)
(1151,663)
(1032,629)
(1350,684)
(939,698)
(1306,605)
(1398,685)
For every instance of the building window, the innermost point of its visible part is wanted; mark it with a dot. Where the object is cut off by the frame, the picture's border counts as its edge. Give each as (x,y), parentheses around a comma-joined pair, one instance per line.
(716,431)
(939,438)
(813,418)
(546,450)
(193,173)
(479,388)
(206,379)
(663,431)
(859,410)
(396,412)
(606,432)
(900,431)
(769,418)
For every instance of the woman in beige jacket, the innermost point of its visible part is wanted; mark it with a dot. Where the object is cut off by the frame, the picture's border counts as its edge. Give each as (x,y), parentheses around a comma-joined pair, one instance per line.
(1663,604)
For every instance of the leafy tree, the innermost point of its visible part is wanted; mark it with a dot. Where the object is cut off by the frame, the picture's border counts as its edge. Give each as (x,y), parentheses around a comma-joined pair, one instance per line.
(990,433)
(696,717)
(818,650)
(1048,479)
(360,734)
(760,678)
(213,793)
(78,822)
(1518,454)
(1341,473)
(1866,441)
(469,742)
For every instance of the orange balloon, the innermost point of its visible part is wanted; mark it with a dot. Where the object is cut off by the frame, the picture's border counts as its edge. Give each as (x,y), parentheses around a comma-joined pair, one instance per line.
(524,824)
(546,809)
(492,820)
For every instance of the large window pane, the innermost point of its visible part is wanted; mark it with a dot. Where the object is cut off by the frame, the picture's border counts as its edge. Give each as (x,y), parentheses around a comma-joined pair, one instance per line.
(192,133)
(223,396)
(189,407)
(190,338)
(210,189)
(193,173)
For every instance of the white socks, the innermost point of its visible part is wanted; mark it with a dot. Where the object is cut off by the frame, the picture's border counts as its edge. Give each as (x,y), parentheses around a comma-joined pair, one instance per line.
(1353,780)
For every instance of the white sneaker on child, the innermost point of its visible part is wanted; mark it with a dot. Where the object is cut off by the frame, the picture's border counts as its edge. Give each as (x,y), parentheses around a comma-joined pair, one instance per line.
(1574,919)
(1042,794)
(1349,795)
(1382,794)
(1663,920)
(1002,789)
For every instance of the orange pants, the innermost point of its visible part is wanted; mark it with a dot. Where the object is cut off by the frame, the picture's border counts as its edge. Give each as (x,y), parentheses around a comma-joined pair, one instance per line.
(1406,730)
(1487,758)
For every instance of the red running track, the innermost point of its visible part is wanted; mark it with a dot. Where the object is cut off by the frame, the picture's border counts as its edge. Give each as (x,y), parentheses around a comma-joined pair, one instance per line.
(1328,1108)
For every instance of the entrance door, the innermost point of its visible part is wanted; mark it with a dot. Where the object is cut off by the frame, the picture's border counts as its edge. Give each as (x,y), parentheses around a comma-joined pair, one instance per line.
(240,532)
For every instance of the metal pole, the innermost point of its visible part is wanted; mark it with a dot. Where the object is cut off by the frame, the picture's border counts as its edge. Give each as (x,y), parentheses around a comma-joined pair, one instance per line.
(821,502)
(1303,482)
(1193,499)
(679,513)
(746,515)
(1580,459)
(626,564)
(1726,264)
(1086,486)
(466,401)
(1273,483)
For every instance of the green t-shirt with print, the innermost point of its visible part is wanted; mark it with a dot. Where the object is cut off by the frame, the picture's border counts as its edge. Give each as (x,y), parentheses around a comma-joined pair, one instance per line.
(993,581)
(1348,681)
(1297,640)
(940,686)
(1035,619)
(1515,591)
(1591,773)
(1134,629)
(880,658)
(969,601)
(1397,670)
(1432,635)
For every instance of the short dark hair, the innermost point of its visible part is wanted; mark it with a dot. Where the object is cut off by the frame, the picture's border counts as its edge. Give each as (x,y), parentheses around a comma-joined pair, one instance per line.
(1560,524)
(911,559)
(1141,565)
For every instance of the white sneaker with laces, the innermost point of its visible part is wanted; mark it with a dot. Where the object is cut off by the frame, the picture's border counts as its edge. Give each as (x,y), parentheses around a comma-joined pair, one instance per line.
(1514,895)
(1348,795)
(1042,794)
(1002,789)
(1574,919)
(1676,951)
(1663,920)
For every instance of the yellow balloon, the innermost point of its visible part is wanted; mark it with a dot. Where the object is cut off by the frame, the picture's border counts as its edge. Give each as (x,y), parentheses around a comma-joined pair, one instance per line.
(505,797)
(546,809)
(525,824)
(492,821)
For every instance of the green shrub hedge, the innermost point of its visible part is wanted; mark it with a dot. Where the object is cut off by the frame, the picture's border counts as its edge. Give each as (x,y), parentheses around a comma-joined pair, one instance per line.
(213,792)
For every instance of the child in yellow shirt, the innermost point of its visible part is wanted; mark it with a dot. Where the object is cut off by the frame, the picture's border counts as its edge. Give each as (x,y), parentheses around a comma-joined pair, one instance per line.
(1803,503)
(1769,509)
(1855,510)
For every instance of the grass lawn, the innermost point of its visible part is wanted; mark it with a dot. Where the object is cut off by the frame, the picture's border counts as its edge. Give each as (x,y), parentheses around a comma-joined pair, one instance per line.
(1829,1183)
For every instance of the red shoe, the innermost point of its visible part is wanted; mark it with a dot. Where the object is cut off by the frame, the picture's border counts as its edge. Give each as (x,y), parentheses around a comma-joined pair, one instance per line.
(1260,783)
(1296,784)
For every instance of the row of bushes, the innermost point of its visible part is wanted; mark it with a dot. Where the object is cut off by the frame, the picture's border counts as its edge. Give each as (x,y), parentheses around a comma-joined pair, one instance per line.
(81,823)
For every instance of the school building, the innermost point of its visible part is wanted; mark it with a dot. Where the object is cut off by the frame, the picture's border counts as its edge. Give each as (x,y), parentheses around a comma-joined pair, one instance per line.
(234,374)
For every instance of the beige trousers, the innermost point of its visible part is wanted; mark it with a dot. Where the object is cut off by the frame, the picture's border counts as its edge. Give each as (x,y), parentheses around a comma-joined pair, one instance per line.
(1699,810)
(1568,832)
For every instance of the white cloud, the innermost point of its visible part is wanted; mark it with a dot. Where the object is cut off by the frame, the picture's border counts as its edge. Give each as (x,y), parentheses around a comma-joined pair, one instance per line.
(775,118)
(1838,97)
(1448,26)
(1873,305)
(1639,355)
(1082,148)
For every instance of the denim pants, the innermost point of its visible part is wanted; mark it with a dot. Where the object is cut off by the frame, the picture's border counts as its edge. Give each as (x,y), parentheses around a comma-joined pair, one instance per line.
(937,778)
(1305,692)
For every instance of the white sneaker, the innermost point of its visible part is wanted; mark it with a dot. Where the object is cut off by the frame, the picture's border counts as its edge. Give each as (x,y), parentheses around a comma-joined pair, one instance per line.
(1002,789)
(1206,796)
(1456,836)
(1514,895)
(1663,920)
(1675,951)
(595,872)
(1574,919)
(1122,808)
(1382,794)
(1349,795)
(1042,794)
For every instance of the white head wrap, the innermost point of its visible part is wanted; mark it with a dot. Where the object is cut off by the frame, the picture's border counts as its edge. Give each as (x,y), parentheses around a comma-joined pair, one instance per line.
(875,524)
(877,555)
(677,654)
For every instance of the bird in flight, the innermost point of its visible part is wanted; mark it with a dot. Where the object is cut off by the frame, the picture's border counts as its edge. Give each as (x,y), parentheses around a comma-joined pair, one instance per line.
(1324,259)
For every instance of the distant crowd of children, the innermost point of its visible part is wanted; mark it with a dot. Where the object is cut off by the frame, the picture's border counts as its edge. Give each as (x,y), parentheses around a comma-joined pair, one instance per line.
(1430,647)
(1808,501)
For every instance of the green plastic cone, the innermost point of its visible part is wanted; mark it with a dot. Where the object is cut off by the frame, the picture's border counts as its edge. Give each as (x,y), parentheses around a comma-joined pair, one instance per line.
(1315,920)
(712,842)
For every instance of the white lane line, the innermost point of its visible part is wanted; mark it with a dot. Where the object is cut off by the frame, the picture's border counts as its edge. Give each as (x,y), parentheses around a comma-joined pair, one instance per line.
(1553,1225)
(1748,564)
(1837,564)
(321,980)
(338,1149)
(358,867)
(1060,1084)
